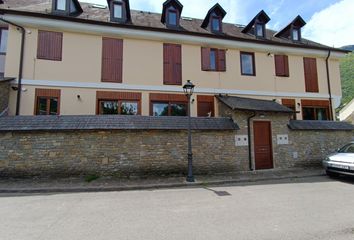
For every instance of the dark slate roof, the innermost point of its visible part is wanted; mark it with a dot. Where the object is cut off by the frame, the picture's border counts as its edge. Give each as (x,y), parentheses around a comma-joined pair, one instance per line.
(250,104)
(319,125)
(148,20)
(111,122)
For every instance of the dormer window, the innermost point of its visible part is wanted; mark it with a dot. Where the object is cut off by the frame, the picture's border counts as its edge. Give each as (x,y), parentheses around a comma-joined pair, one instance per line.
(66,7)
(213,19)
(120,11)
(257,26)
(293,30)
(171,13)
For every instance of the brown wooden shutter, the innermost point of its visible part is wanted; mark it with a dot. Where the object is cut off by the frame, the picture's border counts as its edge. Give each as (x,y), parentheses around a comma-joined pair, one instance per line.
(112,60)
(205,59)
(281,65)
(221,60)
(205,105)
(172,64)
(50,45)
(311,78)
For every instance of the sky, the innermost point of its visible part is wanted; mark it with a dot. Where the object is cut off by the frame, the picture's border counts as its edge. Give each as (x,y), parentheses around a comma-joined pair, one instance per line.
(330,22)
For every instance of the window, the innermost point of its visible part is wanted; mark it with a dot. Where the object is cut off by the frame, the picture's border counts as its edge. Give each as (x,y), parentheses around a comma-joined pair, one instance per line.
(315,110)
(50,45)
(311,78)
(122,103)
(215,24)
(113,107)
(169,109)
(168,104)
(118,10)
(172,64)
(47,102)
(172,17)
(259,30)
(60,5)
(281,65)
(290,103)
(205,106)
(112,60)
(296,34)
(248,64)
(3,40)
(213,59)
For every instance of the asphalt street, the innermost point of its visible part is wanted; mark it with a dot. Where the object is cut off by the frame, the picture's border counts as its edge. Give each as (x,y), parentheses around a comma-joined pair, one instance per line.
(308,208)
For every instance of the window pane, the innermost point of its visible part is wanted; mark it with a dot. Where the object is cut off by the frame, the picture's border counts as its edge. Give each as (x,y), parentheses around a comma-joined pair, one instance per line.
(247,64)
(42,106)
(109,107)
(215,24)
(308,113)
(129,108)
(172,18)
(3,40)
(212,60)
(295,34)
(178,109)
(259,30)
(118,10)
(53,108)
(61,5)
(160,109)
(321,114)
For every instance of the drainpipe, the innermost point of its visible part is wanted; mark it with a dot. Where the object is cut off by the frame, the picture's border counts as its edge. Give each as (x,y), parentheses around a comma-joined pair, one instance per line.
(20,72)
(249,140)
(329,87)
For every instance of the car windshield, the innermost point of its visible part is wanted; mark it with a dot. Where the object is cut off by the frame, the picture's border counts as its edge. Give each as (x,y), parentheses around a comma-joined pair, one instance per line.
(349,148)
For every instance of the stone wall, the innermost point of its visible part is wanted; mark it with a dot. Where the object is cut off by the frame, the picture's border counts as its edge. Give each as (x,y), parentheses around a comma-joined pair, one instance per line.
(4,95)
(119,153)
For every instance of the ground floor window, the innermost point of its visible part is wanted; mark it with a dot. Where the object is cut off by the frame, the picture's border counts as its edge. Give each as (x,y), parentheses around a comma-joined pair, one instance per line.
(315,113)
(47,102)
(205,106)
(122,103)
(290,103)
(112,107)
(169,109)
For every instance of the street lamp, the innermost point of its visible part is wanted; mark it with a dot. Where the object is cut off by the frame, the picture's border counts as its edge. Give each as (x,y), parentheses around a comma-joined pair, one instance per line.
(188,89)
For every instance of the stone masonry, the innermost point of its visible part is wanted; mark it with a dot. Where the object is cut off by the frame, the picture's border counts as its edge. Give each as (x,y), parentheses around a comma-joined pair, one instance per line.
(4,95)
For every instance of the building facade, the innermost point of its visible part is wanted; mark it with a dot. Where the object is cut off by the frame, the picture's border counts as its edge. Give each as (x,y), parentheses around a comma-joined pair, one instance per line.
(86,59)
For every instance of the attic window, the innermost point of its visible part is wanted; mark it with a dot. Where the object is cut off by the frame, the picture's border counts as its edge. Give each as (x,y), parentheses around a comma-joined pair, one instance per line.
(172,17)
(259,30)
(61,5)
(118,10)
(296,34)
(216,24)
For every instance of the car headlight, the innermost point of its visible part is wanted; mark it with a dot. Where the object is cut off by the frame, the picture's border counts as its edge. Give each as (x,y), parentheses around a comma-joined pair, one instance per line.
(327,159)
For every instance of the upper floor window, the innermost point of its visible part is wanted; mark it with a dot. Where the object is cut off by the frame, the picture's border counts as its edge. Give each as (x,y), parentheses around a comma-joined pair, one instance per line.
(172,64)
(112,60)
(248,64)
(61,5)
(259,30)
(172,17)
(257,26)
(66,7)
(216,24)
(213,19)
(171,12)
(3,40)
(311,76)
(118,10)
(49,45)
(47,102)
(293,30)
(213,59)
(296,34)
(281,65)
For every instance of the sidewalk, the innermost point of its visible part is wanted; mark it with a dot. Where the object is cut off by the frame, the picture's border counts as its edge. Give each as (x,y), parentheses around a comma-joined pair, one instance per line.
(71,185)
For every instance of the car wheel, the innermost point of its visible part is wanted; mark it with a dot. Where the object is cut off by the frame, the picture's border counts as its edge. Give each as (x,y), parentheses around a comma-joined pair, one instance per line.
(331,174)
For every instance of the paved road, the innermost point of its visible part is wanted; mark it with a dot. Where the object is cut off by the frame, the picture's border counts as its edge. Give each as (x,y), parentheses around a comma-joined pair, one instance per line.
(309,208)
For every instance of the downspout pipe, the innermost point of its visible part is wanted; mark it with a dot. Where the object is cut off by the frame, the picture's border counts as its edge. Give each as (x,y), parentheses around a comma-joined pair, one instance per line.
(329,86)
(250,140)
(20,72)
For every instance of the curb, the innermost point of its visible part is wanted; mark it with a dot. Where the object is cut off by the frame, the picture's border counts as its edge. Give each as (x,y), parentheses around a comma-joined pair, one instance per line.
(151,186)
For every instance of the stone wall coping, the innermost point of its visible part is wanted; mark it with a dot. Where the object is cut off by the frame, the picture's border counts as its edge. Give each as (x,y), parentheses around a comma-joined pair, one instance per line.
(111,122)
(320,125)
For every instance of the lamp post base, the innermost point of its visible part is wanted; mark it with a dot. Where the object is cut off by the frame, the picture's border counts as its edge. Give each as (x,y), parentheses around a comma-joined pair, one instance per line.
(190,179)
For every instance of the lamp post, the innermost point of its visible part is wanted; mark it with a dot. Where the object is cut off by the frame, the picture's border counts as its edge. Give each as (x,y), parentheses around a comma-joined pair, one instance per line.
(188,89)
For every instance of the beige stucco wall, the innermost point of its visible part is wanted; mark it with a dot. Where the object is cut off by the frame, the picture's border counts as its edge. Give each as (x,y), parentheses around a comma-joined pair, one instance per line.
(143,66)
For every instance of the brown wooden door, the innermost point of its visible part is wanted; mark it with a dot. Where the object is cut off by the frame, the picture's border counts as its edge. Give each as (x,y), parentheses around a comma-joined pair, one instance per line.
(263,145)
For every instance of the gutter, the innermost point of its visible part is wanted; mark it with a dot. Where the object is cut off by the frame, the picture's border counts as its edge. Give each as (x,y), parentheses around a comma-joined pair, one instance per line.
(20,72)
(329,86)
(250,141)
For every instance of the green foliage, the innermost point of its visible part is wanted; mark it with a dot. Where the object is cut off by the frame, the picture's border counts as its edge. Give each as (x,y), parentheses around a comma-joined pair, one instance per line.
(90,178)
(347,76)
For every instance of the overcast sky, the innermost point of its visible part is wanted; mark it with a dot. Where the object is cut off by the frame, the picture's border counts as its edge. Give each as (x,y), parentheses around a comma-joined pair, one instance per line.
(330,22)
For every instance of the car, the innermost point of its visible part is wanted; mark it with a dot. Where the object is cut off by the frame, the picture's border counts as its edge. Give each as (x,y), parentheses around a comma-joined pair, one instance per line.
(341,162)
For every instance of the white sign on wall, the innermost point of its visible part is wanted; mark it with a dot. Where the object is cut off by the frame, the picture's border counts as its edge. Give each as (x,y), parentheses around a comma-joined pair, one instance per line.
(241,140)
(282,139)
